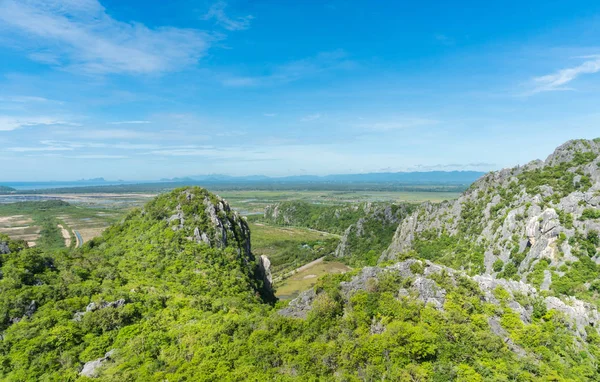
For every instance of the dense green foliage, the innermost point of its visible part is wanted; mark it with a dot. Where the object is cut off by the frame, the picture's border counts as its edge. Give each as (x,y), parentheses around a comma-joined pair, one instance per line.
(179,325)
(590,213)
(575,276)
(6,190)
(371,235)
(558,177)
(449,250)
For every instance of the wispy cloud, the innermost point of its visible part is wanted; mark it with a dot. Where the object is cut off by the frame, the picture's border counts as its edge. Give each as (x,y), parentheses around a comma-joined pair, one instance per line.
(80,35)
(310,117)
(295,70)
(397,124)
(217,12)
(113,134)
(24,99)
(85,149)
(97,156)
(129,123)
(36,149)
(8,123)
(53,145)
(444,39)
(558,80)
(478,166)
(216,153)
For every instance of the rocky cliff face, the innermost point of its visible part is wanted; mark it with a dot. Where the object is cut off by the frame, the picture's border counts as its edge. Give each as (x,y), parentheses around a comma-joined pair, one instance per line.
(546,210)
(205,218)
(371,233)
(4,249)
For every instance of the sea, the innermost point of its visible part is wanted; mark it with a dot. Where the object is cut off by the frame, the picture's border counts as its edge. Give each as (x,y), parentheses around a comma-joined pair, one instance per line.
(26,186)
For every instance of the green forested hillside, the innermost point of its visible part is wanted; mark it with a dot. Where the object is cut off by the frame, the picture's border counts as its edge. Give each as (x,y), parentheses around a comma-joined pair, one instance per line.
(334,219)
(173,292)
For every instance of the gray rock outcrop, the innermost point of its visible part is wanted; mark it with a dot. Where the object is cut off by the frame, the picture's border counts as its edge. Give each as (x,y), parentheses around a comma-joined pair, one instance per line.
(300,306)
(265,269)
(91,369)
(92,307)
(424,287)
(513,216)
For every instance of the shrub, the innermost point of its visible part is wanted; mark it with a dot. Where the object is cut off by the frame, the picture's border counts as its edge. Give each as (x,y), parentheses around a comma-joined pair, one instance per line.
(498,265)
(590,213)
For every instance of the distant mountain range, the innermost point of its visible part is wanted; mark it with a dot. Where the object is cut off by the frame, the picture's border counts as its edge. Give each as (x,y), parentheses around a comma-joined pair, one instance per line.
(444,179)
(423,177)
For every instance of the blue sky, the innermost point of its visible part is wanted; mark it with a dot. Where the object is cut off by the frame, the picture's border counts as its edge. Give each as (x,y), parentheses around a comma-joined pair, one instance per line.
(151,89)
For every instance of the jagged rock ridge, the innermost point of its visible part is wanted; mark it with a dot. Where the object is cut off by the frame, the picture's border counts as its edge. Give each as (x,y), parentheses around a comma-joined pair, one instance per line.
(426,282)
(206,218)
(543,210)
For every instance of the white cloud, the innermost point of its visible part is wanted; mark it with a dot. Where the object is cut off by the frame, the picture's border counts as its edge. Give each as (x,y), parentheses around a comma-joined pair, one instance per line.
(8,123)
(35,149)
(79,34)
(129,122)
(217,12)
(86,147)
(558,80)
(70,145)
(310,117)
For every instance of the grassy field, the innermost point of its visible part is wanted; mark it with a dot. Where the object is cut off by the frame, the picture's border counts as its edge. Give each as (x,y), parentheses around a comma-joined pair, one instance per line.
(290,287)
(290,247)
(20,227)
(51,224)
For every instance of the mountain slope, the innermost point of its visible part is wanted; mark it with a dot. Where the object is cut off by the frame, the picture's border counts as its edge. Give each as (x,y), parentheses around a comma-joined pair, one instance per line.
(539,222)
(363,241)
(421,321)
(186,255)
(173,292)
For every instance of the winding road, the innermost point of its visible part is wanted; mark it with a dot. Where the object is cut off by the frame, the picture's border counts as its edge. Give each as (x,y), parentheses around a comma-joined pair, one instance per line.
(79,239)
